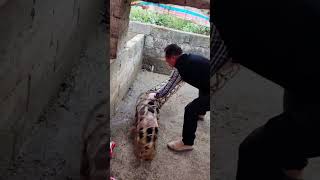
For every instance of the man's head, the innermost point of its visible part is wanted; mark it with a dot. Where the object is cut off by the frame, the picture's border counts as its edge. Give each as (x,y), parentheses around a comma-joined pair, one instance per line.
(172,52)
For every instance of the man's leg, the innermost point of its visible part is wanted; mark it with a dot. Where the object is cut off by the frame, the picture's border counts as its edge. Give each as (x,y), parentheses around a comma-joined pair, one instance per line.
(202,113)
(281,147)
(267,153)
(192,110)
(255,159)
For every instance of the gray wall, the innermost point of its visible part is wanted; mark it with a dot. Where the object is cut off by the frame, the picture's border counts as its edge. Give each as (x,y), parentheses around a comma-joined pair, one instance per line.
(40,41)
(125,68)
(157,38)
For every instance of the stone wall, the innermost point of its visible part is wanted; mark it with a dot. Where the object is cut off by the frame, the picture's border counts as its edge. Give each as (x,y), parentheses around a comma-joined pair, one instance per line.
(119,21)
(40,41)
(157,38)
(124,70)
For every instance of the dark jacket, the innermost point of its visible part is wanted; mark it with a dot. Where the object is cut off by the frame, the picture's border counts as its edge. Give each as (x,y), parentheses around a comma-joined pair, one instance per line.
(195,70)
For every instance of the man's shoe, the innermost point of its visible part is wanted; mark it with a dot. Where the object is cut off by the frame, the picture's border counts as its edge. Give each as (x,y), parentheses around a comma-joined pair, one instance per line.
(179,146)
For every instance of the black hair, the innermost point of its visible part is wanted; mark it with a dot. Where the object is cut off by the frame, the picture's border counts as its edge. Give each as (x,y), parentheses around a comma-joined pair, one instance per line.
(172,50)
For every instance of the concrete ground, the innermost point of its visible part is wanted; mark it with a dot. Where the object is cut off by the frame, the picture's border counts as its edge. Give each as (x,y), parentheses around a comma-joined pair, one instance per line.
(191,165)
(52,151)
(246,102)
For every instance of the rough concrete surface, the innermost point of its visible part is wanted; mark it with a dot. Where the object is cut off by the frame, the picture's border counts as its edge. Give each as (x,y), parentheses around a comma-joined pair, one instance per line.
(158,37)
(40,41)
(125,68)
(191,165)
(52,150)
(246,102)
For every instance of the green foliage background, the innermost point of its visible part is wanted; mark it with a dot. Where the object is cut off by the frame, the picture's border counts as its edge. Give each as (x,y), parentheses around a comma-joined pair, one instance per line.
(166,20)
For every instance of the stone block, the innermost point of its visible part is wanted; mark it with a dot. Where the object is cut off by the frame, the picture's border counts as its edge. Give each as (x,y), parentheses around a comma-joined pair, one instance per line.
(149,42)
(140,28)
(124,69)
(200,41)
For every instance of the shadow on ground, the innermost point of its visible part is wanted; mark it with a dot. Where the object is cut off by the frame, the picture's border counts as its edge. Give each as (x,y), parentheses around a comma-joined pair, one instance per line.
(167,164)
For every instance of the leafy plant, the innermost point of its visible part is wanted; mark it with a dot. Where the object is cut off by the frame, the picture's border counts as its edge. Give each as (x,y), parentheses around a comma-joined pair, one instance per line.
(166,20)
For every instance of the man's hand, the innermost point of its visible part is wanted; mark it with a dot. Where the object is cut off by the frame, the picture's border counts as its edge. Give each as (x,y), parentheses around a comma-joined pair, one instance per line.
(152,96)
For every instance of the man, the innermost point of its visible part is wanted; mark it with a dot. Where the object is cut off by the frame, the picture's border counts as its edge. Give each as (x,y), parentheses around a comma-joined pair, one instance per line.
(194,70)
(278,40)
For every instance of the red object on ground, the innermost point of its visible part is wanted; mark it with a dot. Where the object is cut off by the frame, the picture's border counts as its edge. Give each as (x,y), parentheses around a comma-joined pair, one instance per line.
(112,146)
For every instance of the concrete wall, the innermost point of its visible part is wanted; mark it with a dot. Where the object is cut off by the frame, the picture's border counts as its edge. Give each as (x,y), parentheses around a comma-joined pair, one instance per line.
(124,69)
(157,38)
(2,2)
(39,43)
(119,21)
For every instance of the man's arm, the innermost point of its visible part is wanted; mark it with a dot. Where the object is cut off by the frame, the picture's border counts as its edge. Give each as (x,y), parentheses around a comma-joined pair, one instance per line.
(174,80)
(222,67)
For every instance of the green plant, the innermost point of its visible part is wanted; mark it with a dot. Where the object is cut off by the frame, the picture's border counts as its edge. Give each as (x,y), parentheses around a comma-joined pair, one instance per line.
(166,20)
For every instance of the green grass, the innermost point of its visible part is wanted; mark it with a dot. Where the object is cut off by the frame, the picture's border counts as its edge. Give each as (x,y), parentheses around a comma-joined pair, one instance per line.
(145,16)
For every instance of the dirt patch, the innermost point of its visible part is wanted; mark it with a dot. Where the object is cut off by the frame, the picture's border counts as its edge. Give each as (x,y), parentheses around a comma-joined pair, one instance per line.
(191,165)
